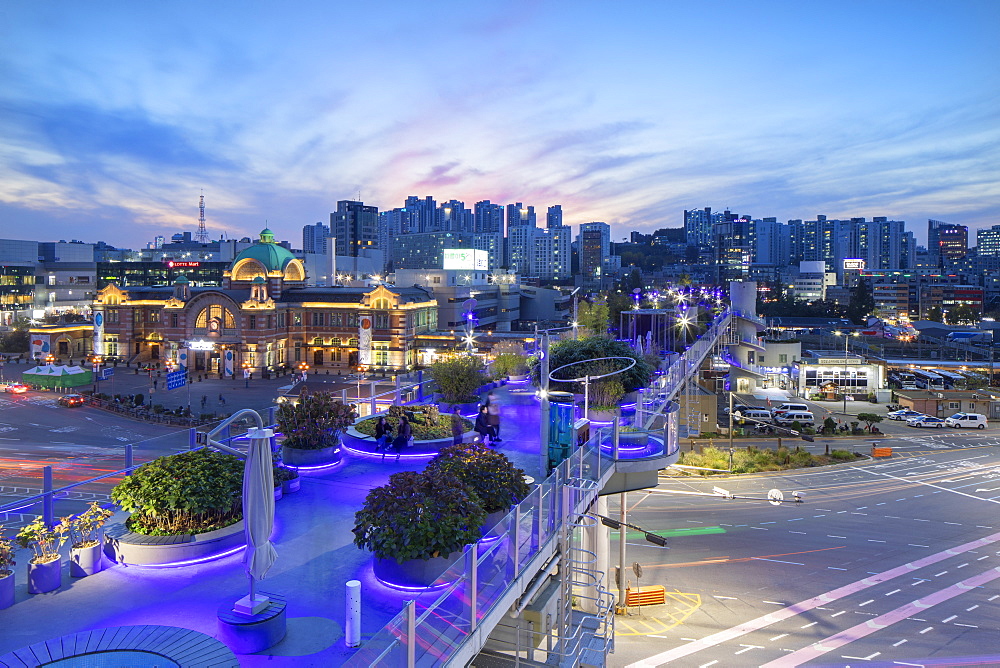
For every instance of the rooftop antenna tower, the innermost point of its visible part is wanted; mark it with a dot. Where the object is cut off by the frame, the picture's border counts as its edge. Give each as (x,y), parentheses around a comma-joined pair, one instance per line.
(202,236)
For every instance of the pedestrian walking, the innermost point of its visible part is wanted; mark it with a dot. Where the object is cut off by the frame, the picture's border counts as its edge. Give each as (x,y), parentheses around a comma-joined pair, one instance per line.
(204,401)
(155,382)
(457,427)
(493,410)
(483,425)
(222,399)
(402,440)
(383,435)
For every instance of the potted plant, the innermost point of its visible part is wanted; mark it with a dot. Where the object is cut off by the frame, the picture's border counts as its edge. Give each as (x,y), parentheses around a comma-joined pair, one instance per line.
(45,566)
(510,365)
(312,427)
(288,478)
(458,380)
(495,480)
(6,572)
(630,435)
(86,542)
(604,398)
(416,523)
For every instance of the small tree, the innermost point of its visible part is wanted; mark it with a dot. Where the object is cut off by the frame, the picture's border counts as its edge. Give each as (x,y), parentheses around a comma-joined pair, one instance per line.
(870,419)
(44,542)
(509,364)
(314,421)
(84,528)
(459,378)
(829,426)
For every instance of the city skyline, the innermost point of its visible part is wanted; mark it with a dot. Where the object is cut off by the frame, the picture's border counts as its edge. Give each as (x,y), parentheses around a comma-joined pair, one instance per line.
(115,121)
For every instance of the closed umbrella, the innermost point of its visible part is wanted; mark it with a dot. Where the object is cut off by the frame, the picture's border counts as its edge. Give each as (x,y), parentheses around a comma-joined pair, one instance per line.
(258,516)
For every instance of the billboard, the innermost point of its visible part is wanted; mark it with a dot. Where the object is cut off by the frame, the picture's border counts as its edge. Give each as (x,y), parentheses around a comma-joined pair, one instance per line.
(854,264)
(465,258)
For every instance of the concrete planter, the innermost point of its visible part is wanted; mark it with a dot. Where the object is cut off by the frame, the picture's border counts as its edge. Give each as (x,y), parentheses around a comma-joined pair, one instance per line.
(492,519)
(465,409)
(289,486)
(278,493)
(413,573)
(84,561)
(517,377)
(298,458)
(125,547)
(599,415)
(45,577)
(7,590)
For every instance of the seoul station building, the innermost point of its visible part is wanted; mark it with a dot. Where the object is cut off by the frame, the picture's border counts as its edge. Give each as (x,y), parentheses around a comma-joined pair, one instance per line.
(264,316)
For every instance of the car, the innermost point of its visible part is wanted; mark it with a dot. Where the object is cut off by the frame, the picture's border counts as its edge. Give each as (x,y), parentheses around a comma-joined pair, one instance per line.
(905,414)
(789,407)
(737,408)
(753,416)
(925,421)
(70,400)
(17,388)
(959,420)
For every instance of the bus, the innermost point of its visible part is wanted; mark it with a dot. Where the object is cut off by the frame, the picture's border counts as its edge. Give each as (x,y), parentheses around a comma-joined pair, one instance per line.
(904,380)
(928,380)
(951,379)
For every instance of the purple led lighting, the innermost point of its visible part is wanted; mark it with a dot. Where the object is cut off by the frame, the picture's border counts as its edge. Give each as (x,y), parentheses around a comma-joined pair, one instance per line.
(378,455)
(517,382)
(321,467)
(402,587)
(191,562)
(602,422)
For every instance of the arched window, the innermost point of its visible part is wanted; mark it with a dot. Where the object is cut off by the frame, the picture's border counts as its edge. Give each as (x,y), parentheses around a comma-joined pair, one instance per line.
(381,304)
(201,322)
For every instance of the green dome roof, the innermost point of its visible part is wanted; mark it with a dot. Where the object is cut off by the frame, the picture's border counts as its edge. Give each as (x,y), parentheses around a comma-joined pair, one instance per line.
(257,280)
(268,253)
(181,279)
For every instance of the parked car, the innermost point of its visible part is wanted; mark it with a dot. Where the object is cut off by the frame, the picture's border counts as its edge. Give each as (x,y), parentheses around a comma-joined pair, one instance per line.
(925,421)
(804,418)
(905,414)
(70,400)
(17,388)
(752,416)
(737,408)
(977,420)
(787,407)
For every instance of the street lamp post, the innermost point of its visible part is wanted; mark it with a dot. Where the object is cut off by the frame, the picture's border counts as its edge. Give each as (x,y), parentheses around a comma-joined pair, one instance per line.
(843,384)
(95,367)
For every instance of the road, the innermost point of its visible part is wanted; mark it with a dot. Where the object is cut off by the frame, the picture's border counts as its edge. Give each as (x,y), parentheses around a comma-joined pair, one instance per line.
(894,560)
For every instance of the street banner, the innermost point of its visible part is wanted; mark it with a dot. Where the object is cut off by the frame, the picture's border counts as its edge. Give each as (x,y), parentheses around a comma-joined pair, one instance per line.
(229,357)
(365,341)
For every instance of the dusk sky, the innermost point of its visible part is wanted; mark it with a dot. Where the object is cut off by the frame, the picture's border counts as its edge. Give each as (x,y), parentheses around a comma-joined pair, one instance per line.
(114,117)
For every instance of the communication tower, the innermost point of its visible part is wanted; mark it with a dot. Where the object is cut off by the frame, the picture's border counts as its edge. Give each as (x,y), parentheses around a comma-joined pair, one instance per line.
(202,236)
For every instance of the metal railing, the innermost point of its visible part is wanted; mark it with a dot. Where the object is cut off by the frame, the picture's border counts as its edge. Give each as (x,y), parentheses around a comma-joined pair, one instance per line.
(439,625)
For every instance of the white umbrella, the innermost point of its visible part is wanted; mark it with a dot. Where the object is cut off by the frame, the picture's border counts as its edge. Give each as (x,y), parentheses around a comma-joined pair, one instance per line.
(258,516)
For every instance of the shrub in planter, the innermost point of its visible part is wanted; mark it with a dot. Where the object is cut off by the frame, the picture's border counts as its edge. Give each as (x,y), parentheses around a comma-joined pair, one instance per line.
(422,431)
(458,379)
(45,566)
(419,516)
(509,364)
(6,571)
(85,540)
(497,482)
(314,422)
(187,493)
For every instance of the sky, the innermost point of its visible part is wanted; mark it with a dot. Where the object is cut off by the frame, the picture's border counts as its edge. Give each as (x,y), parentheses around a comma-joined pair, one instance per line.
(115,117)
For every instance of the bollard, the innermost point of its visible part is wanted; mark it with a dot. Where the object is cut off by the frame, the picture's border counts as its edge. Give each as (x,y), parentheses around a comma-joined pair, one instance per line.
(352,625)
(47,515)
(192,438)
(128,455)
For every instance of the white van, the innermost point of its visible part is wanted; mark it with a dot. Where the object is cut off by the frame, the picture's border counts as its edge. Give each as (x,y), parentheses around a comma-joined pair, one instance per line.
(804,418)
(758,414)
(977,420)
(784,408)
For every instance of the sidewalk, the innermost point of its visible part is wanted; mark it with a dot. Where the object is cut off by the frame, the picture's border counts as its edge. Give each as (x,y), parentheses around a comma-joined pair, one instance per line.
(316,556)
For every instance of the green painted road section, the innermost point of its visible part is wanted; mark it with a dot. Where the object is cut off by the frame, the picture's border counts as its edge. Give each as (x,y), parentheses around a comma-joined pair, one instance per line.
(671,533)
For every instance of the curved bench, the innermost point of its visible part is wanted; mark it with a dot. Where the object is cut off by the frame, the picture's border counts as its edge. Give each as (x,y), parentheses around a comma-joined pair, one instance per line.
(133,549)
(183,647)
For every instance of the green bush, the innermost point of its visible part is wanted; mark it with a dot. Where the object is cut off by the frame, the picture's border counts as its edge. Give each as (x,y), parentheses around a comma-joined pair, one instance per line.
(842,455)
(752,460)
(497,482)
(459,378)
(565,352)
(314,421)
(419,516)
(190,492)
(508,364)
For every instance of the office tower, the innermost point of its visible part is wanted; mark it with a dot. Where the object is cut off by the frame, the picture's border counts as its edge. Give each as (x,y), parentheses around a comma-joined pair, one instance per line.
(489,217)
(422,213)
(947,242)
(315,238)
(988,241)
(733,251)
(554,217)
(355,227)
(594,248)
(519,215)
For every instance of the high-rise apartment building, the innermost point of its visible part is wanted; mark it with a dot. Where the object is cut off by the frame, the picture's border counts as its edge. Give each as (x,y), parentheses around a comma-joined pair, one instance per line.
(422,212)
(554,216)
(885,245)
(315,238)
(355,227)
(452,216)
(698,226)
(489,217)
(594,244)
(551,253)
(519,215)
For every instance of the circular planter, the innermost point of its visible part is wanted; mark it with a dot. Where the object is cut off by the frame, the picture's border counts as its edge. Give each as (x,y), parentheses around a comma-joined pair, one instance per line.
(7,590)
(599,415)
(492,519)
(412,573)
(633,438)
(125,547)
(278,493)
(517,377)
(289,486)
(298,457)
(447,408)
(359,442)
(84,561)
(45,577)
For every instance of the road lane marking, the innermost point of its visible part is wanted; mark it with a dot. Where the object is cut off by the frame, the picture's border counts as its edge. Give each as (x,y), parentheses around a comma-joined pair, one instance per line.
(897,644)
(948,619)
(929,628)
(894,591)
(838,613)
(921,482)
(778,637)
(859,631)
(778,561)
(809,604)
(871,600)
